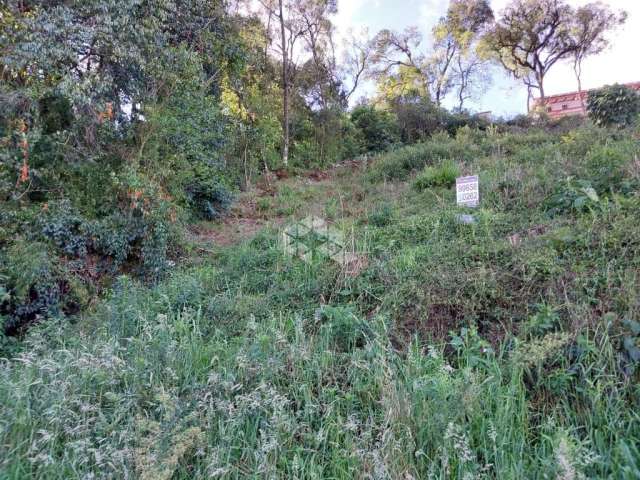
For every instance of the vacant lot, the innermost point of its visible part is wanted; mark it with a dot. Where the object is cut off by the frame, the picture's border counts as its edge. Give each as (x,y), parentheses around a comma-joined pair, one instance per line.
(505,347)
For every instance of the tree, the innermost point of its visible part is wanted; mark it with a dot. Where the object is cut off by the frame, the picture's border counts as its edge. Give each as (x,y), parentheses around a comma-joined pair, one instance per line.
(356,61)
(287,29)
(399,67)
(297,22)
(456,35)
(530,37)
(471,75)
(378,128)
(588,32)
(318,41)
(456,61)
(465,23)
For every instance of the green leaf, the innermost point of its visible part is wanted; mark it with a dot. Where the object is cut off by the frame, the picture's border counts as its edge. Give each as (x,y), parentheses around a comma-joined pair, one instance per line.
(632,349)
(591,194)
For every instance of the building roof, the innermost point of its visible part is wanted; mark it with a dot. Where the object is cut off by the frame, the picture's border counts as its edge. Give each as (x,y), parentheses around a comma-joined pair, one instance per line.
(564,97)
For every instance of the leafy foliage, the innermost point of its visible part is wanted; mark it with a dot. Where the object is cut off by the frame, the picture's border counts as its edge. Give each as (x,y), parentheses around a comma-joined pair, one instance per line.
(435,349)
(614,105)
(377,129)
(207,197)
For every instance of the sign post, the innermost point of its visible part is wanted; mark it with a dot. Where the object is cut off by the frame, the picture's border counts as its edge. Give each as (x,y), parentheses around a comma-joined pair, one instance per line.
(468,191)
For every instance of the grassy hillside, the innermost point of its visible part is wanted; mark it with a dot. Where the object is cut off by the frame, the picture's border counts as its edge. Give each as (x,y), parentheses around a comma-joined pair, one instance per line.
(504,348)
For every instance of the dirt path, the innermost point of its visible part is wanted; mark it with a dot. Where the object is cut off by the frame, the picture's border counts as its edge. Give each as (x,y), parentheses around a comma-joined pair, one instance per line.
(246,219)
(243,222)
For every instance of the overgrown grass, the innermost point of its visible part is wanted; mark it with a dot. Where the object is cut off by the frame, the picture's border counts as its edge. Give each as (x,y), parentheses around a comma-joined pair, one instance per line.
(502,349)
(443,175)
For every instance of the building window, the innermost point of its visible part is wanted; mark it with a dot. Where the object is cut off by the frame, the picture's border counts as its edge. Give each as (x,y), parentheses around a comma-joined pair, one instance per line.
(565,107)
(549,109)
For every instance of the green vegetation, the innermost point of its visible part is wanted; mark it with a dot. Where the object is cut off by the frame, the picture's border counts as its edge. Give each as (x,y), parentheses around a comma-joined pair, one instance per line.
(507,348)
(154,326)
(443,175)
(614,105)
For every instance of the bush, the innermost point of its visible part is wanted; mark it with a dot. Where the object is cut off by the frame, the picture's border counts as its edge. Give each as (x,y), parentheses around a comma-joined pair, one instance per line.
(419,120)
(614,105)
(33,286)
(443,175)
(207,197)
(398,164)
(378,130)
(381,216)
(572,196)
(66,229)
(56,114)
(606,166)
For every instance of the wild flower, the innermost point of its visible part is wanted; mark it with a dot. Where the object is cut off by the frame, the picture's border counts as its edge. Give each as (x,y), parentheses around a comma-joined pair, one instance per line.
(565,461)
(537,352)
(448,369)
(352,424)
(572,458)
(460,443)
(433,352)
(493,433)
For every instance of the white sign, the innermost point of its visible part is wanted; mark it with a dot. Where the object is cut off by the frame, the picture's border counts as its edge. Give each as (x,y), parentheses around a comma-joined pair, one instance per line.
(468,191)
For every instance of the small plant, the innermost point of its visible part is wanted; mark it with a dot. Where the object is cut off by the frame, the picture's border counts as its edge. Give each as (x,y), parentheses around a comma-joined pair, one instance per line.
(443,176)
(263,204)
(573,196)
(472,349)
(631,346)
(544,321)
(342,329)
(381,216)
(332,209)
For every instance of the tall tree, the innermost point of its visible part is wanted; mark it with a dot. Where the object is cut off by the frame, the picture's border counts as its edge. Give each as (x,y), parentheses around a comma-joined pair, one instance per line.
(469,20)
(455,35)
(319,43)
(356,61)
(286,29)
(286,50)
(532,36)
(588,31)
(471,75)
(400,67)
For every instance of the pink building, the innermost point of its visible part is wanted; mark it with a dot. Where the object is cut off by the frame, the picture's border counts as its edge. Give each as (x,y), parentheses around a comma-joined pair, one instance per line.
(574,103)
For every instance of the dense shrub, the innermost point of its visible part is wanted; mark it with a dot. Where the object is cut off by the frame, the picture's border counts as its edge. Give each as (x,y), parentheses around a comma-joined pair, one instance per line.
(443,175)
(418,120)
(377,129)
(398,164)
(208,198)
(35,286)
(614,105)
(56,113)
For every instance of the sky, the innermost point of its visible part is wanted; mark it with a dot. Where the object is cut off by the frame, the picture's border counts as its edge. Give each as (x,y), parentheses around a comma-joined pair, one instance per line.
(506,97)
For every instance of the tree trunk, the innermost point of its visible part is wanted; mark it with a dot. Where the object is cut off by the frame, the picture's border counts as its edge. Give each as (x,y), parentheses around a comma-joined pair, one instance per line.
(541,87)
(577,68)
(285,89)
